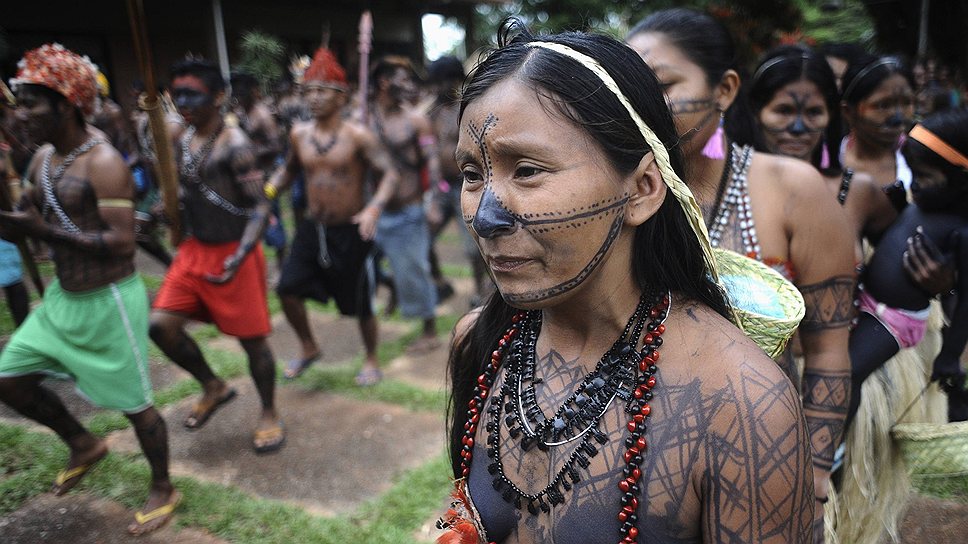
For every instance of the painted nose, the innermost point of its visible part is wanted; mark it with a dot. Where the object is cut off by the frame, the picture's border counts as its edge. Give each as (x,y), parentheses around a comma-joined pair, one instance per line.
(895,120)
(797,128)
(492,219)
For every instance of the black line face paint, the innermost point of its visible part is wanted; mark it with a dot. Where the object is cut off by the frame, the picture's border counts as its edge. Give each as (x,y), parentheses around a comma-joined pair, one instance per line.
(690,105)
(563,287)
(548,241)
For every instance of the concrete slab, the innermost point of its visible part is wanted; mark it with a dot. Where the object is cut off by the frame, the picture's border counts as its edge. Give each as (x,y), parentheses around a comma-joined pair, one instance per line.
(338,453)
(163,374)
(83,519)
(338,337)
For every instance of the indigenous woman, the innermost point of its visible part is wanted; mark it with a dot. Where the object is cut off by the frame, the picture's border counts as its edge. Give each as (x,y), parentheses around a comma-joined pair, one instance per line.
(773,209)
(794,98)
(567,426)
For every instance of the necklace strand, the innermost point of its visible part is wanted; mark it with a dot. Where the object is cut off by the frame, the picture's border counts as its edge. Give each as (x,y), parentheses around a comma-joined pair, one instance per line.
(47,182)
(643,366)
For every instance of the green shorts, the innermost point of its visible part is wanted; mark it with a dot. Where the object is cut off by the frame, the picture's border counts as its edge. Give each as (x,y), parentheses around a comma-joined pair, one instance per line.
(97,338)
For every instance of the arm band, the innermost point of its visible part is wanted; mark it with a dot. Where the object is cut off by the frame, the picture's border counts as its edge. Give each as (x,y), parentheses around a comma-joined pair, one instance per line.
(115,203)
(271,191)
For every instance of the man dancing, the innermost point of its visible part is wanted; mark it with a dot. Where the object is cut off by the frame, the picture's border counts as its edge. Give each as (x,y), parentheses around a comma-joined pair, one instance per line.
(331,252)
(219,273)
(92,325)
(403,231)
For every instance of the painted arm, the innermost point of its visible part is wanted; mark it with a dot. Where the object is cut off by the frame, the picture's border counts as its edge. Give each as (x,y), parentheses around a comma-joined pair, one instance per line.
(251,180)
(758,484)
(113,189)
(823,256)
(286,173)
(427,139)
(380,160)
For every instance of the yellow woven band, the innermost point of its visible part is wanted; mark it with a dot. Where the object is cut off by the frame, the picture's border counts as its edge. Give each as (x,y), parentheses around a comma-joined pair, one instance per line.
(115,203)
(669,176)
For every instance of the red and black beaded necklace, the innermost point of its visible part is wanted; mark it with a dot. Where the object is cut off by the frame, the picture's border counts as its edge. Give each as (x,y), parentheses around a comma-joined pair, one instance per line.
(623,372)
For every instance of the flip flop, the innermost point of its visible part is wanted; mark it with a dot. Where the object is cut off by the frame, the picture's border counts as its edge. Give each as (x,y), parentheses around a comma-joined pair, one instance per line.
(368,377)
(73,476)
(296,367)
(165,511)
(277,434)
(201,413)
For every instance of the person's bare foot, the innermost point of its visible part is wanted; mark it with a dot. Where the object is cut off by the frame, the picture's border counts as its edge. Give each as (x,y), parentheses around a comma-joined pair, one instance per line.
(81,461)
(158,511)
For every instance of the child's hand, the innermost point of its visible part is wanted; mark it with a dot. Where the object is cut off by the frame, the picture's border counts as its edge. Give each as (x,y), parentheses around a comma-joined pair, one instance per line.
(927,266)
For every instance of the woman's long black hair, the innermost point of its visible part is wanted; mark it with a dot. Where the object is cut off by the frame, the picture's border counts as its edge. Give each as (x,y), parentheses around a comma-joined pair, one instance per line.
(666,253)
(709,45)
(790,63)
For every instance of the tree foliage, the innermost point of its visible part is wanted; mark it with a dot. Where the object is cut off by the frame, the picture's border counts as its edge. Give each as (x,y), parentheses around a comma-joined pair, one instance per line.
(262,55)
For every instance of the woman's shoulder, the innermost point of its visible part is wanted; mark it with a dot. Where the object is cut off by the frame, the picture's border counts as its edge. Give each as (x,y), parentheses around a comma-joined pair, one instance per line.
(703,346)
(794,176)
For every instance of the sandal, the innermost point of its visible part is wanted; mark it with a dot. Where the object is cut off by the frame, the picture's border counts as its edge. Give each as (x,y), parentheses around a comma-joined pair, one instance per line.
(276,436)
(202,412)
(368,377)
(296,367)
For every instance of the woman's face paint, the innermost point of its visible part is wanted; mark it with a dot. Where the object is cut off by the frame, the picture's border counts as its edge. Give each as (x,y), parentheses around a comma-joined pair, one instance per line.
(689,94)
(793,121)
(538,195)
(886,113)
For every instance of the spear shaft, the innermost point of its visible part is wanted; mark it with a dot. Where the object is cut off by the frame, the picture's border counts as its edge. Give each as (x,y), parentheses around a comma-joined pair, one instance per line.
(365,44)
(150,103)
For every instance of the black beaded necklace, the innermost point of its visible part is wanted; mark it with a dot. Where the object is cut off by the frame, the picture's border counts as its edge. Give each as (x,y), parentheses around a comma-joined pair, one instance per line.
(322,148)
(623,372)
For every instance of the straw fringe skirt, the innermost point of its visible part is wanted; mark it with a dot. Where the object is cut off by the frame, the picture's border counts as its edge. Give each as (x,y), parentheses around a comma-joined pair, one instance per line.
(874,489)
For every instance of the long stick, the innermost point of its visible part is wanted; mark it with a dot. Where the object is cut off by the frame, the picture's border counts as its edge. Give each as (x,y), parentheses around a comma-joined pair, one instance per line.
(6,204)
(150,102)
(366,40)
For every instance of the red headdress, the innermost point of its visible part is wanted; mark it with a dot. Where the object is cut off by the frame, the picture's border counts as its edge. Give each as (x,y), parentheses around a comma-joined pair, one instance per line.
(325,69)
(62,70)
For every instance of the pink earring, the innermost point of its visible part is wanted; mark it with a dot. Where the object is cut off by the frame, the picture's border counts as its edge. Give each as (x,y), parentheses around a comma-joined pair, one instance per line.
(715,147)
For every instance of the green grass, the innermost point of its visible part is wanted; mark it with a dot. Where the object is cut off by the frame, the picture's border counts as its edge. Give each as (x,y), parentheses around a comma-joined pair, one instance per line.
(30,460)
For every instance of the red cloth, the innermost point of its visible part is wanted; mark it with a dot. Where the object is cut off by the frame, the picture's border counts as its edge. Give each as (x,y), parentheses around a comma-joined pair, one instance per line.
(238,308)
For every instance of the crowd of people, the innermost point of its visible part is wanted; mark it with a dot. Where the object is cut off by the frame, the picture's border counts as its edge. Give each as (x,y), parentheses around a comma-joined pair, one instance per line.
(602,188)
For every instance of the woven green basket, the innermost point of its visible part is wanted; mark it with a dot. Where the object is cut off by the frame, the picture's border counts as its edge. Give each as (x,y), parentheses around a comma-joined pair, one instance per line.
(933,449)
(768,307)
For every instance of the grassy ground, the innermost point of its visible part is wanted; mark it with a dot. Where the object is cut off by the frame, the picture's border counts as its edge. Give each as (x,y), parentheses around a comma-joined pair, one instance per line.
(29,459)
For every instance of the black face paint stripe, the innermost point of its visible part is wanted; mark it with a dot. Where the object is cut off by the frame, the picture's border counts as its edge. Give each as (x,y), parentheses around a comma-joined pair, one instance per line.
(585,272)
(690,105)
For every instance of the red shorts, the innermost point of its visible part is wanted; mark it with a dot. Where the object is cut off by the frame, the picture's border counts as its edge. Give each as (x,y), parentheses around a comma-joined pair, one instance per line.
(238,308)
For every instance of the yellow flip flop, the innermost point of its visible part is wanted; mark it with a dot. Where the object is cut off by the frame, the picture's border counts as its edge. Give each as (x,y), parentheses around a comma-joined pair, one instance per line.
(142,518)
